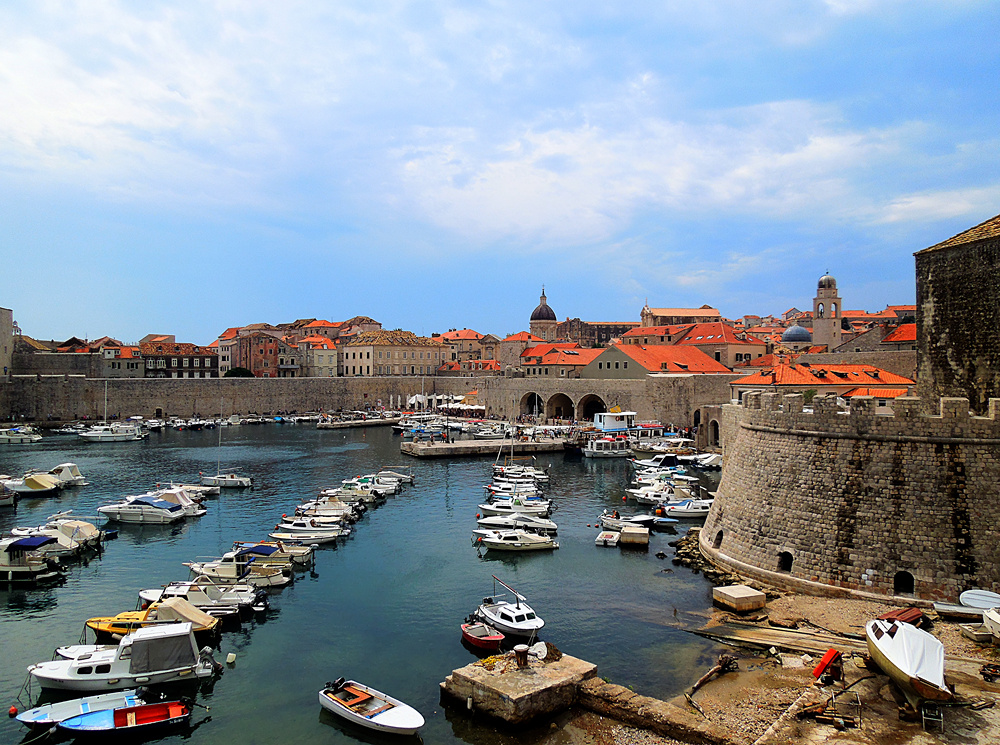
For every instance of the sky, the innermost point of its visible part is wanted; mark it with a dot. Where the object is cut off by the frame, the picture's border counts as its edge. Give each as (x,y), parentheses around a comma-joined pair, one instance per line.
(183,167)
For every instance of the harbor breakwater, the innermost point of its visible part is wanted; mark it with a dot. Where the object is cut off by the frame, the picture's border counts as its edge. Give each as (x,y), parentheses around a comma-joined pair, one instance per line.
(671,400)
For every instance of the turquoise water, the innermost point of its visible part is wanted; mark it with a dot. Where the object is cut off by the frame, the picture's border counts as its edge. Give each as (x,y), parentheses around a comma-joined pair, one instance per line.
(384,607)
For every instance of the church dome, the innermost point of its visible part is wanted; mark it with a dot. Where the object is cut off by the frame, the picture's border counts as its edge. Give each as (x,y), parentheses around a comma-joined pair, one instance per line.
(795,334)
(543,312)
(826,282)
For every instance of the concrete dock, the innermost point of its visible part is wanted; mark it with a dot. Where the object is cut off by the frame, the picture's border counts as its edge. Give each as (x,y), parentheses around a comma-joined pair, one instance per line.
(462,448)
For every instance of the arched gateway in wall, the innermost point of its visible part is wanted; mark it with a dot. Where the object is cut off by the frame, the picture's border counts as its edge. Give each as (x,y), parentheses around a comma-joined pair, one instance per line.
(560,406)
(531,404)
(589,405)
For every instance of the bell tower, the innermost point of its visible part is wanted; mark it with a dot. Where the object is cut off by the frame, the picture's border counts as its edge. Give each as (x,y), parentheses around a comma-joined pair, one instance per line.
(827,314)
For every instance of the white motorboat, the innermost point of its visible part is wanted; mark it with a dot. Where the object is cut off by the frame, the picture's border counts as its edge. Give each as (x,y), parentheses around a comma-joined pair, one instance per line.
(68,474)
(71,536)
(523,505)
(34,485)
(8,497)
(236,566)
(320,525)
(228,480)
(306,539)
(512,540)
(148,656)
(216,599)
(614,521)
(519,520)
(276,551)
(19,435)
(179,495)
(21,562)
(145,510)
(513,617)
(607,447)
(911,657)
(116,432)
(50,714)
(684,508)
(369,708)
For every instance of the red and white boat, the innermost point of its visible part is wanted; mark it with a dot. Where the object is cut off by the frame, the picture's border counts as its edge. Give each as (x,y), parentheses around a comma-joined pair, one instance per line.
(482,635)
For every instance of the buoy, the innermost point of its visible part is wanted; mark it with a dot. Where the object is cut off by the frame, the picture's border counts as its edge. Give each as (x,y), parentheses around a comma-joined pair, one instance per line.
(12,711)
(477,515)
(231,658)
(623,499)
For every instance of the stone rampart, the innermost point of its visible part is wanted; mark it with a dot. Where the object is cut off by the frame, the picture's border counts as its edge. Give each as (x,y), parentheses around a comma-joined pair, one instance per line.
(827,500)
(67,397)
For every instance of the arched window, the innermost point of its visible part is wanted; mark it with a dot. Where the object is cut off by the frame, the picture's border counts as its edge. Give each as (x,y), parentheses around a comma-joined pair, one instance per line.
(697,417)
(718,540)
(785,561)
(903,583)
(820,311)
(713,433)
(833,310)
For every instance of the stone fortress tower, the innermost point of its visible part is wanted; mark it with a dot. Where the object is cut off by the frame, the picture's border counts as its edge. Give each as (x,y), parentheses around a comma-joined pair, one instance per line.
(543,320)
(827,313)
(834,501)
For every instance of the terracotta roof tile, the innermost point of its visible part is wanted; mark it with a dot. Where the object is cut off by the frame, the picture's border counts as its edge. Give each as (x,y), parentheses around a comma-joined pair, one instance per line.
(982,231)
(792,374)
(670,358)
(905,333)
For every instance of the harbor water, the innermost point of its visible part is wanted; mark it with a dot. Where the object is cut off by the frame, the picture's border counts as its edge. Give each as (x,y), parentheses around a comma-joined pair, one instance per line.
(383,606)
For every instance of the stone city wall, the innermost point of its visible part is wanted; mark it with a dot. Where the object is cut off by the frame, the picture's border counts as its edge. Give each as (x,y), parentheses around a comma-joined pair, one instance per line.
(69,397)
(828,500)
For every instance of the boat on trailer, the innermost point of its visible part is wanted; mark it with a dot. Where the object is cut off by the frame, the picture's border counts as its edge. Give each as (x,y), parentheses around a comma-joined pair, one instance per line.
(369,708)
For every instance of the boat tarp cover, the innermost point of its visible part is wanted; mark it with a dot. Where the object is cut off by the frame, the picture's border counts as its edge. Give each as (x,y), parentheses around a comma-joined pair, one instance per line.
(258,550)
(40,481)
(179,609)
(30,543)
(161,653)
(916,653)
(159,503)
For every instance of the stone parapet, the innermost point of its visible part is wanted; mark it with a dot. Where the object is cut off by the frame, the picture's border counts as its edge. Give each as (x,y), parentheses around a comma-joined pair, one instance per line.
(849,499)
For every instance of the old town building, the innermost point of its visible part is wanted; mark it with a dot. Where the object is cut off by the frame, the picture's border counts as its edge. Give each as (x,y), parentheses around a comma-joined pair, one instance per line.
(397,352)
(173,360)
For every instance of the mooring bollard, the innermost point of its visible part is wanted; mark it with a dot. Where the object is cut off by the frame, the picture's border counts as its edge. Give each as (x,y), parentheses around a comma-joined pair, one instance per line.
(521,655)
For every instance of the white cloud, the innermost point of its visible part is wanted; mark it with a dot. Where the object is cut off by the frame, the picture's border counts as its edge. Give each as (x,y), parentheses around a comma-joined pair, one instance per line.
(584,183)
(939,205)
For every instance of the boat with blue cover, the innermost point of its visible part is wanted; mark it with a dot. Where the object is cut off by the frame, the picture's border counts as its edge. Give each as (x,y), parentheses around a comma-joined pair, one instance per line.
(145,509)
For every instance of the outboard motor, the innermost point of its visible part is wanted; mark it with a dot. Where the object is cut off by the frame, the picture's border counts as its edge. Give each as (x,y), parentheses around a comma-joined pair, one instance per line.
(206,655)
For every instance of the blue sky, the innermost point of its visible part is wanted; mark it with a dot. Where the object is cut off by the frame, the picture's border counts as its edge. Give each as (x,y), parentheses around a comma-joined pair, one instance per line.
(184,167)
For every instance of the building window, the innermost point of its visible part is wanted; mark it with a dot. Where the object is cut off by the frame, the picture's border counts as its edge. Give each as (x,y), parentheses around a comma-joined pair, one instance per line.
(600,365)
(616,365)
(197,362)
(625,364)
(173,362)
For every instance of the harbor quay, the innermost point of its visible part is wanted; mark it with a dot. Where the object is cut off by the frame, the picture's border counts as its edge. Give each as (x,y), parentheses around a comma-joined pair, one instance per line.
(40,398)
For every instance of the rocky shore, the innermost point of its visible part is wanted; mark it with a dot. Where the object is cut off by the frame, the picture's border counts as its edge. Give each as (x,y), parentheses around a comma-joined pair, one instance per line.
(760,704)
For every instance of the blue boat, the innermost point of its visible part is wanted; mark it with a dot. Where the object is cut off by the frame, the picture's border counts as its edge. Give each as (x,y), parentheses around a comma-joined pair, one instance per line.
(141,717)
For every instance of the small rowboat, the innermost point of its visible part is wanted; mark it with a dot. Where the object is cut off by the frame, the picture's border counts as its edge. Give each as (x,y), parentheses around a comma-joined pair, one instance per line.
(49,714)
(128,718)
(364,705)
(482,635)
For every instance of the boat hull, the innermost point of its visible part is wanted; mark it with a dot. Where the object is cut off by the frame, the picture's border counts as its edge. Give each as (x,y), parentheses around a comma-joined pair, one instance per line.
(130,719)
(371,709)
(49,714)
(482,636)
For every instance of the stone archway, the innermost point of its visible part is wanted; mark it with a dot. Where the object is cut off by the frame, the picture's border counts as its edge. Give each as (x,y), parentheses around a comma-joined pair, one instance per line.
(531,404)
(588,406)
(713,433)
(697,418)
(560,406)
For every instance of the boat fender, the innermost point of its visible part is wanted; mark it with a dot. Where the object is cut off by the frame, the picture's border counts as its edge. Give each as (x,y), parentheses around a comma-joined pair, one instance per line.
(12,712)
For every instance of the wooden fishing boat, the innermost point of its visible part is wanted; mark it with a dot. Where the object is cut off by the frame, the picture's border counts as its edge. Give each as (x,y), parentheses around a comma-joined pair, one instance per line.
(912,658)
(130,719)
(481,635)
(369,708)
